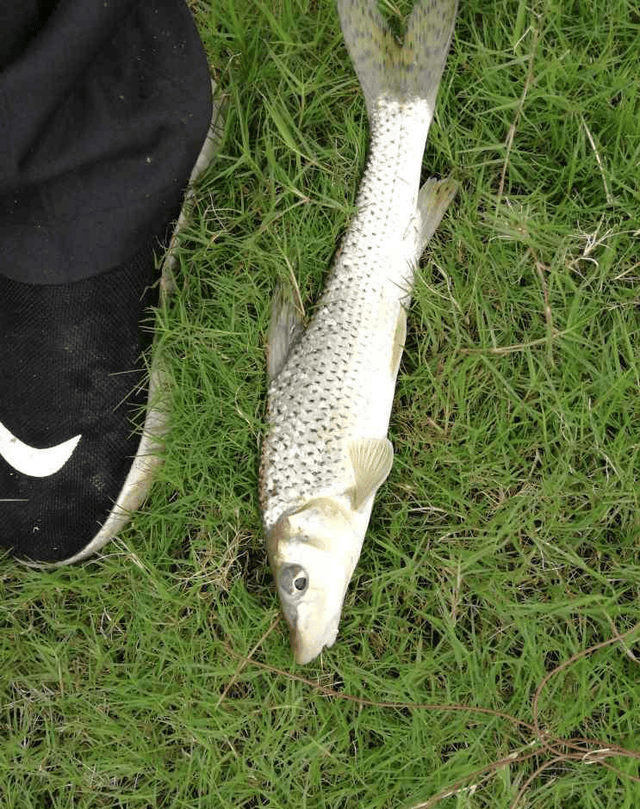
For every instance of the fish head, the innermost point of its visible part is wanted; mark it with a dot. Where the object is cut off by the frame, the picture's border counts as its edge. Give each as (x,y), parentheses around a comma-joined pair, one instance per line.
(313,552)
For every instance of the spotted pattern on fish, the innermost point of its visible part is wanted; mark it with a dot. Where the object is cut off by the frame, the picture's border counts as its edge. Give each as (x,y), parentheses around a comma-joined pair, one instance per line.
(331,388)
(337,383)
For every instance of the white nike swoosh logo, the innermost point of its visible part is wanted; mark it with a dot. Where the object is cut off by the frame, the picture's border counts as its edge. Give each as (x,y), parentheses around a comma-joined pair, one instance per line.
(38,463)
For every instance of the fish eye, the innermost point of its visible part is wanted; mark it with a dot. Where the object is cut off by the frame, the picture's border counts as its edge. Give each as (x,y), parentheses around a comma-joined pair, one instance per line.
(293,580)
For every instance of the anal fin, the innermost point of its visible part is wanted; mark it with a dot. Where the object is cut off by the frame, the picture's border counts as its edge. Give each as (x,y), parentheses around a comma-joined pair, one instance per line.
(433,200)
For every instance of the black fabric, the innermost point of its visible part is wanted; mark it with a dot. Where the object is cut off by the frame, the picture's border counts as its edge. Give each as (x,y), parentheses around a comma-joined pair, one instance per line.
(103,109)
(71,365)
(20,21)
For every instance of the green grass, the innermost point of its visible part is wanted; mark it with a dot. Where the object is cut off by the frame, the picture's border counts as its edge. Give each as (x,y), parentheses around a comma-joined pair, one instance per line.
(506,539)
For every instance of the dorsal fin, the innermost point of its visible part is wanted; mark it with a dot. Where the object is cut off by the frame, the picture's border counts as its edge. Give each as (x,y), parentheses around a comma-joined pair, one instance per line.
(284,328)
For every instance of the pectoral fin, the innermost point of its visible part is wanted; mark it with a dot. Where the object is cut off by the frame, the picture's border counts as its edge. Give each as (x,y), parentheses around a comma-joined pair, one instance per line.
(372,459)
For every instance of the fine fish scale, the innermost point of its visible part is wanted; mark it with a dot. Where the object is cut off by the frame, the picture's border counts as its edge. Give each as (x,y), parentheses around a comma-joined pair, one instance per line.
(331,389)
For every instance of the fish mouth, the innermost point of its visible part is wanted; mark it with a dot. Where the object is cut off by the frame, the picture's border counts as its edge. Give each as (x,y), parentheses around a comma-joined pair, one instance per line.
(304,651)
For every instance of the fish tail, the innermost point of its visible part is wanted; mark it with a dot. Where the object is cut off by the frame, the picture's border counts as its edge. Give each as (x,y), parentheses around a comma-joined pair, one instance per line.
(384,67)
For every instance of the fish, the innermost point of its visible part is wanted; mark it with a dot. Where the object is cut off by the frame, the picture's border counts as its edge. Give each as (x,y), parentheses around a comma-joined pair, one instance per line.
(326,450)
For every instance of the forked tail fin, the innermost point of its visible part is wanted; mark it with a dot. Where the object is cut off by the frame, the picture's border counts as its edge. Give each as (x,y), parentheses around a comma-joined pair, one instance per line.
(384,67)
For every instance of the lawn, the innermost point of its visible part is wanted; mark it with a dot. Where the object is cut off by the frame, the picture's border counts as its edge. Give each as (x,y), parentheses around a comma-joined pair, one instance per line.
(480,663)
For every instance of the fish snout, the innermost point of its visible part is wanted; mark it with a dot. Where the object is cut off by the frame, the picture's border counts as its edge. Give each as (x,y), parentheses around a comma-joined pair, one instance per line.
(306,649)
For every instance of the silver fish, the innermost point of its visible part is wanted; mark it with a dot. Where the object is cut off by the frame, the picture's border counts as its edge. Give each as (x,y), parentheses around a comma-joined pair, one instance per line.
(331,388)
